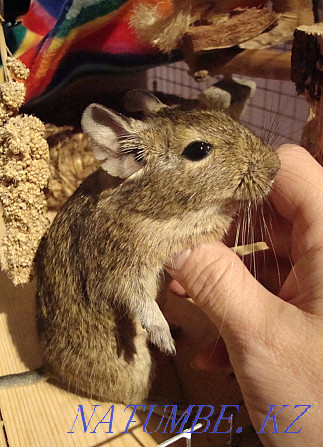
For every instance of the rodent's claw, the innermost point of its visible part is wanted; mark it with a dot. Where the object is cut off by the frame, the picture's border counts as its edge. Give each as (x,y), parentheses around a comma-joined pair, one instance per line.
(161,337)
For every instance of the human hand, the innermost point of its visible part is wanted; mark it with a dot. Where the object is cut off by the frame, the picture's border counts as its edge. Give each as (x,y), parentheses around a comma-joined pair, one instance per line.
(275,342)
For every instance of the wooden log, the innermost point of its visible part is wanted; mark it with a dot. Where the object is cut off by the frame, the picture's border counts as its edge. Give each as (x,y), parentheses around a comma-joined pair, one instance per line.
(293,13)
(255,61)
(302,10)
(267,64)
(307,73)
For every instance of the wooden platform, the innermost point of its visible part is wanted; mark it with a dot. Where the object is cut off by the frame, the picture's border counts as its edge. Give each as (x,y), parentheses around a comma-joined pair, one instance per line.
(43,415)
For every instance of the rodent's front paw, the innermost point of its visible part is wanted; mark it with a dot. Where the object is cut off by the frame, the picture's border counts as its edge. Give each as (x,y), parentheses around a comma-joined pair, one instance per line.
(162,338)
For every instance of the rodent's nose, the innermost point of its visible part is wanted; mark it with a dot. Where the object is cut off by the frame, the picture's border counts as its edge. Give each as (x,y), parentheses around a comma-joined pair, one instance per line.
(269,166)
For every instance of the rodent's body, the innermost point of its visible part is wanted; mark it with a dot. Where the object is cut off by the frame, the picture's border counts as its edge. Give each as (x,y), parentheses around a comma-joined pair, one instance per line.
(185,174)
(91,341)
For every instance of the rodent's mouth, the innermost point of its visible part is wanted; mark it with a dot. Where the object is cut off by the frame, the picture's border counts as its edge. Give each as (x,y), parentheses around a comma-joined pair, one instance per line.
(245,199)
(252,190)
(232,207)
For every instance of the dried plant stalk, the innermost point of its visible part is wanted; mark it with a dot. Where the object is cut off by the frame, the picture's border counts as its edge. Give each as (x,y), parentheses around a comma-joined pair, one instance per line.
(244,250)
(24,173)
(71,161)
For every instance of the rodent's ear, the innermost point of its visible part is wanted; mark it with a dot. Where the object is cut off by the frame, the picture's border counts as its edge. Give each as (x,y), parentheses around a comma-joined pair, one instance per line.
(112,139)
(141,100)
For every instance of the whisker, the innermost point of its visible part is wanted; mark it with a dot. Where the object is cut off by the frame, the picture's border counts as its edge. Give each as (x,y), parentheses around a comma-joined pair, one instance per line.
(243,235)
(282,171)
(229,289)
(274,129)
(287,252)
(295,228)
(273,248)
(264,251)
(271,129)
(248,233)
(238,228)
(253,241)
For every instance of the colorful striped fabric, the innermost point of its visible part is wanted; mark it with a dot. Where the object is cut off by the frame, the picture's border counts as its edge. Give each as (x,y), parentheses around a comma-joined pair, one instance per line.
(59,39)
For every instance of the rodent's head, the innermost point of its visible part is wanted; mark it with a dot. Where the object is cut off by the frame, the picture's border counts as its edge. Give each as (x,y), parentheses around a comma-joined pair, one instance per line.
(181,160)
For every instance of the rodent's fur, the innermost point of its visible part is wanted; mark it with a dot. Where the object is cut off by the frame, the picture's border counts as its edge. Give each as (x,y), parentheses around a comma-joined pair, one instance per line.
(99,265)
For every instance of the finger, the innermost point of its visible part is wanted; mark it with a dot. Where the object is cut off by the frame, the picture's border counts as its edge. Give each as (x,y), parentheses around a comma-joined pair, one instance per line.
(217,280)
(304,285)
(177,289)
(269,269)
(298,197)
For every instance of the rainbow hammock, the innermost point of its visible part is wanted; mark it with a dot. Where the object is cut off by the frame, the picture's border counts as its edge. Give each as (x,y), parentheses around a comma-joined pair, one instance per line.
(61,39)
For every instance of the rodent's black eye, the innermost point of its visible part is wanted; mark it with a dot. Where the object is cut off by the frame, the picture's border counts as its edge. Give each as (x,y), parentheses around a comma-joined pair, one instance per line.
(197,150)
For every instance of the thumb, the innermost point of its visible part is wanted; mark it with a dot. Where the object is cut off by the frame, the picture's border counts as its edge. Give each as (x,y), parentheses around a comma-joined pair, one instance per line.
(218,282)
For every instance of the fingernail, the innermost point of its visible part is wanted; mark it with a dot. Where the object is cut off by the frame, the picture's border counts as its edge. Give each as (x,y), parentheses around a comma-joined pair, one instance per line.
(178,260)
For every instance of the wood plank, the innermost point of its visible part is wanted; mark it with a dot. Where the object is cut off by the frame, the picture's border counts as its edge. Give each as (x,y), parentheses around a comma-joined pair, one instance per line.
(3,442)
(266,64)
(42,414)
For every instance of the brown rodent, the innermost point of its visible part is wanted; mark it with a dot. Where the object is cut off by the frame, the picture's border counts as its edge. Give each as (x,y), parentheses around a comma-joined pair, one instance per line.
(179,176)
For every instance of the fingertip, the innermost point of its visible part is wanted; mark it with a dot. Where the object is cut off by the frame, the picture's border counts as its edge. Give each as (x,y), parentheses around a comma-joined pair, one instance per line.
(297,189)
(177,262)
(177,289)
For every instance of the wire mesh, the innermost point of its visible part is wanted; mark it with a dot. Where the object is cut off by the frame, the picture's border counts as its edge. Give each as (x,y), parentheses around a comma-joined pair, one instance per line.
(275,110)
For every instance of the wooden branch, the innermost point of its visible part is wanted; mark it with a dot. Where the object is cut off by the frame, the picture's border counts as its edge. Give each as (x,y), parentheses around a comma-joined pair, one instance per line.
(267,64)
(302,10)
(255,61)
(242,26)
(307,73)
